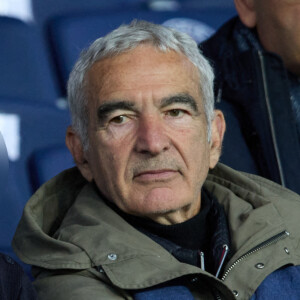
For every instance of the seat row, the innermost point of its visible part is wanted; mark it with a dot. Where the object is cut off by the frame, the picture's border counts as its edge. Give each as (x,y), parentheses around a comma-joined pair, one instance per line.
(35,64)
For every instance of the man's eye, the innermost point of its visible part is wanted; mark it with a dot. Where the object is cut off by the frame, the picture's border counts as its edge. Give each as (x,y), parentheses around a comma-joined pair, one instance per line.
(175,112)
(119,119)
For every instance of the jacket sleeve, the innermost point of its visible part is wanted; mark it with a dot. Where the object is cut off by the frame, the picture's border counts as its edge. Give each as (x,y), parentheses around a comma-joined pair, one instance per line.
(27,291)
(14,283)
(76,286)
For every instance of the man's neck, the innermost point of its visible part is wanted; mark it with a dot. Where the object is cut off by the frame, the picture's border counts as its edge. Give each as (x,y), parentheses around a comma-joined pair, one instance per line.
(191,234)
(179,216)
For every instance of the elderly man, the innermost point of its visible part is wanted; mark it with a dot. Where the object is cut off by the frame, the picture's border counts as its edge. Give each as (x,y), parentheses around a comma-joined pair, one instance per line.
(141,218)
(257,65)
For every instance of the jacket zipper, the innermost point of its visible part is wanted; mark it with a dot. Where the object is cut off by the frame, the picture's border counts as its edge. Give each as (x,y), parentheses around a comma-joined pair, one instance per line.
(271,120)
(264,244)
(222,260)
(202,260)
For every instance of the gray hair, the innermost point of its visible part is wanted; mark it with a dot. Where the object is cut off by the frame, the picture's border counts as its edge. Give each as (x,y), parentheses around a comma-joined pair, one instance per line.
(124,39)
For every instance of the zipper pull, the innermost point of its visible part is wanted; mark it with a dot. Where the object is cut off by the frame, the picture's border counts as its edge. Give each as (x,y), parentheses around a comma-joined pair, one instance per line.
(202,263)
(223,256)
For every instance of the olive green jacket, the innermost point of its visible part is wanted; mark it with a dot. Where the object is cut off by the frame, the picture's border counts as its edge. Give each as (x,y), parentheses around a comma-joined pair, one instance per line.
(82,249)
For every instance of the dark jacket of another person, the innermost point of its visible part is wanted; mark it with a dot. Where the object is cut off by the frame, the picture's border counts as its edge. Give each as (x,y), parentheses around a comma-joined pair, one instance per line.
(14,284)
(256,84)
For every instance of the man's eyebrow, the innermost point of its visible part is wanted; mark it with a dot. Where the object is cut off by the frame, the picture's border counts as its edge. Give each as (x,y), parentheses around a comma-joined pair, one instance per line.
(106,108)
(183,98)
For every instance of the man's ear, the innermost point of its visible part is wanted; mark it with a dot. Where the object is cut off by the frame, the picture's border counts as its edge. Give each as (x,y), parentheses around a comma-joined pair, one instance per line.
(74,144)
(218,127)
(246,11)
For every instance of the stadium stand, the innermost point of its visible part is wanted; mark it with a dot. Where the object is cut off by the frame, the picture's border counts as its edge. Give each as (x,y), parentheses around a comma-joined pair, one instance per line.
(25,69)
(11,204)
(68,35)
(240,160)
(36,126)
(45,10)
(48,162)
(27,126)
(20,9)
(11,207)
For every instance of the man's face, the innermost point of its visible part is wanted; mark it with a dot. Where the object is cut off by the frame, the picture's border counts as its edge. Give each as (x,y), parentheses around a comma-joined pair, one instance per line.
(148,149)
(278,26)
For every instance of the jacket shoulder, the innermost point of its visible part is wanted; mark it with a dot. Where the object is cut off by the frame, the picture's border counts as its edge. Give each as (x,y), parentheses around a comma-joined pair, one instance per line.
(246,184)
(257,192)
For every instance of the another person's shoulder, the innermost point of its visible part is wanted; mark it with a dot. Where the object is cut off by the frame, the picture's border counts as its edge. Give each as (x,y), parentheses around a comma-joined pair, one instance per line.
(213,47)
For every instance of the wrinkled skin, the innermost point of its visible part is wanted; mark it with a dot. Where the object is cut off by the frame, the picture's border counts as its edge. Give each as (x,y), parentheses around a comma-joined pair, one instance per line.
(148,146)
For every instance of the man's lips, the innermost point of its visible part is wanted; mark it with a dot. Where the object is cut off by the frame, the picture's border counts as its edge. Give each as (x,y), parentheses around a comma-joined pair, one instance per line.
(155,175)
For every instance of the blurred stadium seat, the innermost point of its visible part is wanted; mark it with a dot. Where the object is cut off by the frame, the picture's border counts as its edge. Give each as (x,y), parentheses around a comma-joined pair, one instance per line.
(25,69)
(26,126)
(29,126)
(189,4)
(11,204)
(68,35)
(241,160)
(48,162)
(46,9)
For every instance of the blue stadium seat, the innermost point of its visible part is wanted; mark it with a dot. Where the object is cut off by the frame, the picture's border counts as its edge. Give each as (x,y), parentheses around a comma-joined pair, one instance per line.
(48,162)
(11,208)
(11,205)
(10,201)
(242,158)
(29,127)
(25,69)
(47,9)
(68,35)
(189,4)
(200,4)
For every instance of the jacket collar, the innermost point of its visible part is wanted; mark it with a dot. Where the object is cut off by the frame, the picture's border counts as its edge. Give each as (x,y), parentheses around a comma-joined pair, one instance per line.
(91,234)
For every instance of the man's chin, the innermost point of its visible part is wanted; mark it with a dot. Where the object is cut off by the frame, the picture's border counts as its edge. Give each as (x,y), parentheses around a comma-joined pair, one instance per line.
(160,203)
(161,199)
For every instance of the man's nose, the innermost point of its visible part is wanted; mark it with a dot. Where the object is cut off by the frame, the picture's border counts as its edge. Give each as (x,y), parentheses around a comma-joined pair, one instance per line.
(151,136)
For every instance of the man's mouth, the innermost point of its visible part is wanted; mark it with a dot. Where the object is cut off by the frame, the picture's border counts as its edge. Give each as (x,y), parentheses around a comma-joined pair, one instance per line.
(156,175)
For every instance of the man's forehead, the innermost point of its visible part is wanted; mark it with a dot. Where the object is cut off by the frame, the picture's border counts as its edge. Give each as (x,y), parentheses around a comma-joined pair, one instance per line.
(139,67)
(138,52)
(143,55)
